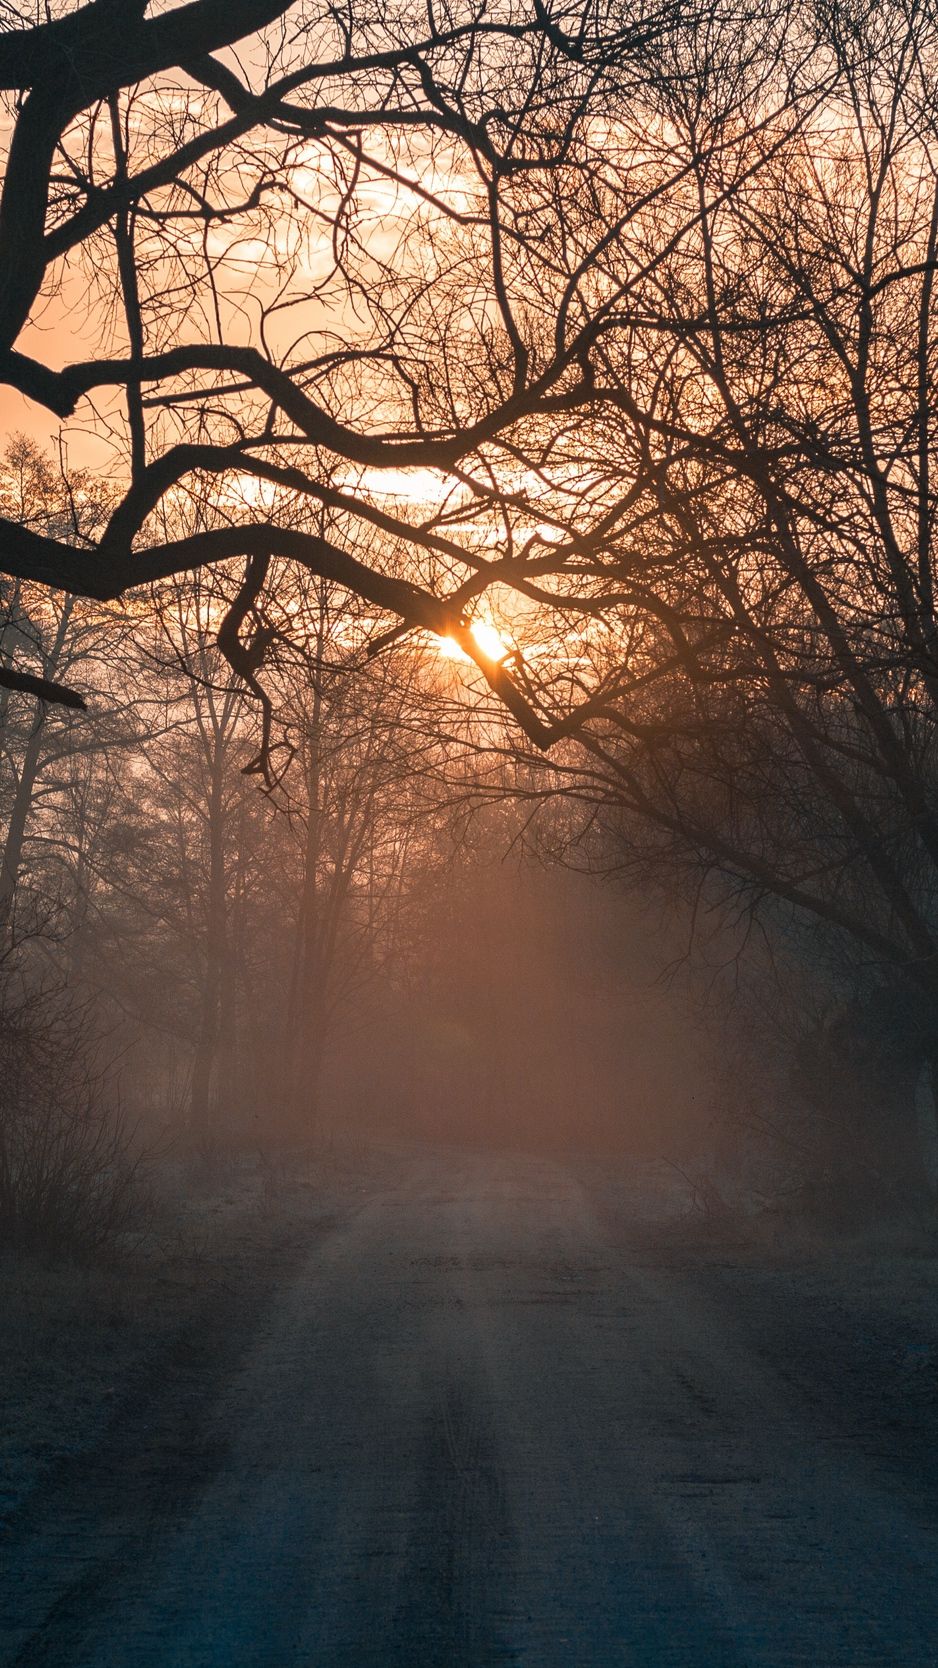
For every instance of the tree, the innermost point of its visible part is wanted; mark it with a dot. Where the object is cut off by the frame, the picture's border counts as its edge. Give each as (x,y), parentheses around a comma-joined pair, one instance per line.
(43,749)
(358,796)
(192,859)
(338,245)
(625,334)
(763,670)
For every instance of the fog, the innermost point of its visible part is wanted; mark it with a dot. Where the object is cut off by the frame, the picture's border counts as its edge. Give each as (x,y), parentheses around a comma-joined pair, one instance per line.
(536,1016)
(468,834)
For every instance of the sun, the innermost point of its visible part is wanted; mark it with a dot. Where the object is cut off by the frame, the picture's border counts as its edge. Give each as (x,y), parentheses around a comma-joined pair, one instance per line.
(487,638)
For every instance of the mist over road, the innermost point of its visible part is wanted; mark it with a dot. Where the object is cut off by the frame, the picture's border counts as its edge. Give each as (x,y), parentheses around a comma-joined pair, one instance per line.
(498,1413)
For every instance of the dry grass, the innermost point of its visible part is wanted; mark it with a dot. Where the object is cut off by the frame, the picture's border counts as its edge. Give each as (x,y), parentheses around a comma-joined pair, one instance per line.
(75,1337)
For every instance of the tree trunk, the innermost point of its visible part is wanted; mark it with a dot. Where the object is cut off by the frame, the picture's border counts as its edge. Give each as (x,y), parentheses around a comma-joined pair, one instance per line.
(12,859)
(206,1054)
(303,1040)
(11,862)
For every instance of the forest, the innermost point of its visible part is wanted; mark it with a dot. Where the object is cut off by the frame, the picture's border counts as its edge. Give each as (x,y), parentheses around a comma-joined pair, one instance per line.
(489,435)
(468,638)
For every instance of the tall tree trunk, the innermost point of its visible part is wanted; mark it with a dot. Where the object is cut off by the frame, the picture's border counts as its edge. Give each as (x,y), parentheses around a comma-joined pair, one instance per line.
(303,1040)
(206,1053)
(303,1033)
(230,1086)
(12,859)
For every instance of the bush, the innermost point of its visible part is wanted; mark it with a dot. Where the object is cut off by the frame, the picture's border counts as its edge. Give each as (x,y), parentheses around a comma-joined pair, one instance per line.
(70,1180)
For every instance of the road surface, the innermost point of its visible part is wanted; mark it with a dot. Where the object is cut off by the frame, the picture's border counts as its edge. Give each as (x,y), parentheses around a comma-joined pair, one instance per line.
(488,1418)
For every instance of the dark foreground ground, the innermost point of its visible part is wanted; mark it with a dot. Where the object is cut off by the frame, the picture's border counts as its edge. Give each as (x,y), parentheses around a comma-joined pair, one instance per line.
(499,1411)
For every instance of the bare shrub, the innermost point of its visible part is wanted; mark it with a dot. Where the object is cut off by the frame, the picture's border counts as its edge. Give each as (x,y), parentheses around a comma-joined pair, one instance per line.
(70,1177)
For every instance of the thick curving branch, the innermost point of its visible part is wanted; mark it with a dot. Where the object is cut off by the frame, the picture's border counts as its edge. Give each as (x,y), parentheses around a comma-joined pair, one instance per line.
(111,43)
(105,574)
(45,689)
(60,391)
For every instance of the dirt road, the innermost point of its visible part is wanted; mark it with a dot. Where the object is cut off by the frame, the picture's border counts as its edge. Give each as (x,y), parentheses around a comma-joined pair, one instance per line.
(497,1414)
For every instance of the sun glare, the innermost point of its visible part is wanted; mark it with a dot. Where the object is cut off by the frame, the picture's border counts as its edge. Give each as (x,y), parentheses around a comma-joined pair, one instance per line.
(487,638)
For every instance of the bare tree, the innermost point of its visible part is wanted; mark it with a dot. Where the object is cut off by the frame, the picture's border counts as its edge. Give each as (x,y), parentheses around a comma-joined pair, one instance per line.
(757,691)
(44,753)
(336,245)
(358,798)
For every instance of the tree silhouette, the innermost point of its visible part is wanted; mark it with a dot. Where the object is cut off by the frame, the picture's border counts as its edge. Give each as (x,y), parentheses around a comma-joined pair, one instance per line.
(302,241)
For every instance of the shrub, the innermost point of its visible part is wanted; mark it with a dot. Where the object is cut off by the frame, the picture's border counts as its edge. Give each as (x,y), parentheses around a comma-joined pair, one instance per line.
(70,1179)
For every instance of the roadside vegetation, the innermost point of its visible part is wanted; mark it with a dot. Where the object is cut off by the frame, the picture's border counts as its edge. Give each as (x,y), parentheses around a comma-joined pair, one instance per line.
(493,442)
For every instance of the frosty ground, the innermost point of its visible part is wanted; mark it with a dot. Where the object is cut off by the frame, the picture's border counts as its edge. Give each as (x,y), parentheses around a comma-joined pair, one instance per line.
(442,1406)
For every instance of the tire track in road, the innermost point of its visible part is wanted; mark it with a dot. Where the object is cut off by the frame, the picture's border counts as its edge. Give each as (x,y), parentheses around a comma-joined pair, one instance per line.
(473,1429)
(462,1546)
(103,1511)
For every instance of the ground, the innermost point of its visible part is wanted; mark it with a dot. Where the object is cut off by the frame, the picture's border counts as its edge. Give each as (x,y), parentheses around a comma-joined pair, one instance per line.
(463,1408)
